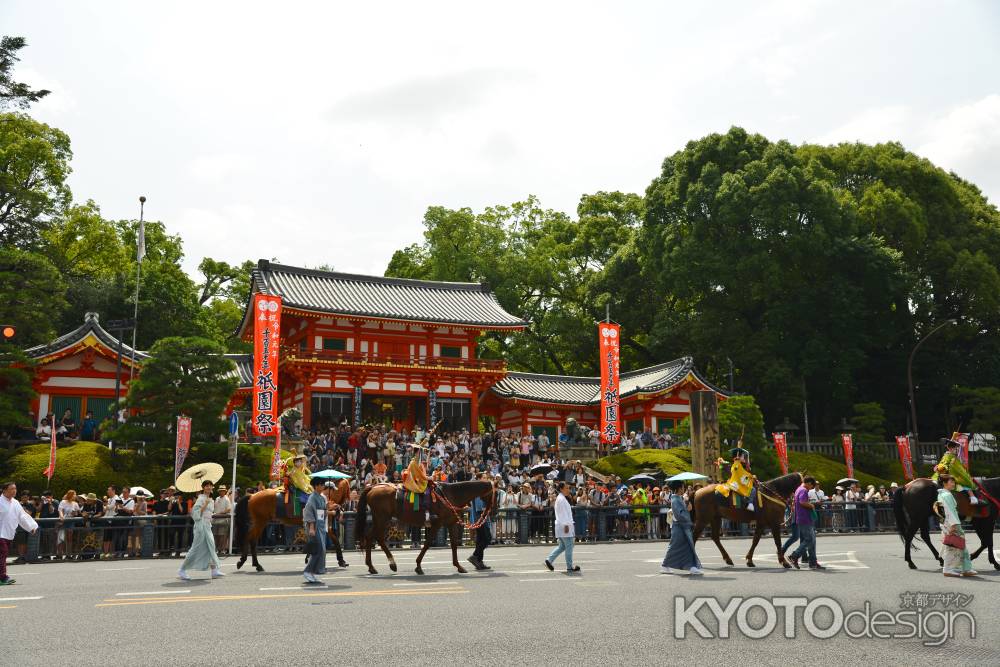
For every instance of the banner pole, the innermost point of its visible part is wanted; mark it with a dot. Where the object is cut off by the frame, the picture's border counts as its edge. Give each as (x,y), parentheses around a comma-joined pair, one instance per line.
(232,494)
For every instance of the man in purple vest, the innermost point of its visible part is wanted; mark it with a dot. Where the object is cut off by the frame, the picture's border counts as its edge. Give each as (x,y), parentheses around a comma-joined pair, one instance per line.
(803,509)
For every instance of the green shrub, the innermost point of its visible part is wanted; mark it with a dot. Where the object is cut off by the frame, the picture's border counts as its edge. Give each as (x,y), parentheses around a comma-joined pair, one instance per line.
(88,467)
(626,464)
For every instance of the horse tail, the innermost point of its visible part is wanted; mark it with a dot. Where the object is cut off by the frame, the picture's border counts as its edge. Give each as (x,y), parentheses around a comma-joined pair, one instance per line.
(361,518)
(902,521)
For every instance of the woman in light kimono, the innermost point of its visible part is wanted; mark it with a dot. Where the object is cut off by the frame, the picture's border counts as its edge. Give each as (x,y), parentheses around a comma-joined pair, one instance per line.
(201,555)
(956,561)
(681,555)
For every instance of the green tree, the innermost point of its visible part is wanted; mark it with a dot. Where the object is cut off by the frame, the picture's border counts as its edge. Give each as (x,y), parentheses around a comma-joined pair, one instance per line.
(223,280)
(34,165)
(868,422)
(32,295)
(81,244)
(184,376)
(542,265)
(978,409)
(16,392)
(14,93)
(740,417)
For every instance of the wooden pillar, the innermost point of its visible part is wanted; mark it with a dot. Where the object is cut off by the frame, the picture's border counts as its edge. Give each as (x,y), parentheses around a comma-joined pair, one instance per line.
(307,407)
(524,423)
(474,411)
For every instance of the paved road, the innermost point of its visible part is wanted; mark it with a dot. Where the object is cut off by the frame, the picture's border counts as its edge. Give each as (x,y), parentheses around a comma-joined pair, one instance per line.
(620,610)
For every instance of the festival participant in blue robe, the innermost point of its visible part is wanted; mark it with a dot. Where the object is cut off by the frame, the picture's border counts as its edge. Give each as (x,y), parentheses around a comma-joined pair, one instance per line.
(681,556)
(314,519)
(201,555)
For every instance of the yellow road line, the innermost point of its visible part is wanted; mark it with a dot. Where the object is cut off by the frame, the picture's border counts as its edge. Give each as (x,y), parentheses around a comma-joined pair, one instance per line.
(11,606)
(113,602)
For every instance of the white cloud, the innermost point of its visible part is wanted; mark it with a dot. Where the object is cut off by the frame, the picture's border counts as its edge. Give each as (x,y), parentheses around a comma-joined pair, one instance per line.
(216,168)
(424,99)
(59,102)
(872,126)
(964,138)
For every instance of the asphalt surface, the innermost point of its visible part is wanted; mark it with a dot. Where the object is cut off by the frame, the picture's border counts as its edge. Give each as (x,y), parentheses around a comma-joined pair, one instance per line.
(619,610)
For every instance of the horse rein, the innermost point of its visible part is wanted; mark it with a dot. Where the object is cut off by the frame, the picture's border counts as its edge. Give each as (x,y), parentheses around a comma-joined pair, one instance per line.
(458,511)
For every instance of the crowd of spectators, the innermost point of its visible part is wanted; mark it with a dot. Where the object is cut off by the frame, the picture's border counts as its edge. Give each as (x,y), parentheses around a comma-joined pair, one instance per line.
(86,526)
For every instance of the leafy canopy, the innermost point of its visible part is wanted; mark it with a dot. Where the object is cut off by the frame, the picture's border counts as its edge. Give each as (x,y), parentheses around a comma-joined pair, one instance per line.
(185,376)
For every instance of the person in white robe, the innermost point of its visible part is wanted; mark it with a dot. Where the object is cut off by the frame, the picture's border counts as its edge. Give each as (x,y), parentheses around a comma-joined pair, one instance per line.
(12,516)
(201,555)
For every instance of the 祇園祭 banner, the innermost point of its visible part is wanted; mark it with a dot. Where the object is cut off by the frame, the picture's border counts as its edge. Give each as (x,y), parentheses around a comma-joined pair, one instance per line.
(781,447)
(848,443)
(905,456)
(267,326)
(963,440)
(607,336)
(183,444)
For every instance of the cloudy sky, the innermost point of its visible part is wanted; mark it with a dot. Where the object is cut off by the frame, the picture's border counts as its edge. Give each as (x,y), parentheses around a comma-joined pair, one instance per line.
(318,133)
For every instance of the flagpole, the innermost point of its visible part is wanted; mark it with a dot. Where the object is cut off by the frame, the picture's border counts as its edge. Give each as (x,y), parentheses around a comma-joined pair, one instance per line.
(140,240)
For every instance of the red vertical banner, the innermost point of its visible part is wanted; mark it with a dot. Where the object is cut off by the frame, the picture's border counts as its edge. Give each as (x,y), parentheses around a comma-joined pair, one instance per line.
(51,470)
(848,443)
(608,341)
(266,329)
(183,444)
(905,456)
(781,447)
(963,440)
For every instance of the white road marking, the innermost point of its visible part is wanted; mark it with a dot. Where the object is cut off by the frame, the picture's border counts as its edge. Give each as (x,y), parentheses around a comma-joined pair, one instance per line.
(295,588)
(36,597)
(430,583)
(153,593)
(122,569)
(548,579)
(546,571)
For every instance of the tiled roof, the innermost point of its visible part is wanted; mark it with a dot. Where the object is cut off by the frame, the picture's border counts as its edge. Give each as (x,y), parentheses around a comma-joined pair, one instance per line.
(568,390)
(91,325)
(244,369)
(391,298)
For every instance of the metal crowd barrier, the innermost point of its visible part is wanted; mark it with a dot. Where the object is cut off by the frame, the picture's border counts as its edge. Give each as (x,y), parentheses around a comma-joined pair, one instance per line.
(166,536)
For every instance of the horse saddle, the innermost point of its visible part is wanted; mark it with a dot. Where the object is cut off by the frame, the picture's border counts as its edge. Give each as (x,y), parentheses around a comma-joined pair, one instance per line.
(968,510)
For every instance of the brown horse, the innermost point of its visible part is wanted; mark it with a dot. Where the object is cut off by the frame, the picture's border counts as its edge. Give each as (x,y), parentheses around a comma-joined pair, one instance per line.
(262,508)
(913,506)
(381,498)
(769,512)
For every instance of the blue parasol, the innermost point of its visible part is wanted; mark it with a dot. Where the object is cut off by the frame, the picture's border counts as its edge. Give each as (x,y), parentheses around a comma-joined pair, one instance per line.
(330,474)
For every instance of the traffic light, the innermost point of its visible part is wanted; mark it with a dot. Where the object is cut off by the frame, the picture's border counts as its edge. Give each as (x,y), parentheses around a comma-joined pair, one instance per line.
(8,331)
